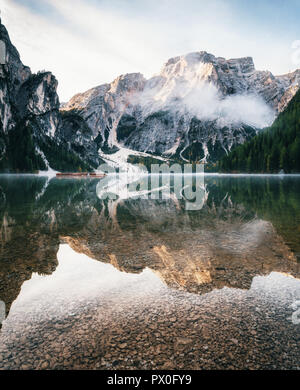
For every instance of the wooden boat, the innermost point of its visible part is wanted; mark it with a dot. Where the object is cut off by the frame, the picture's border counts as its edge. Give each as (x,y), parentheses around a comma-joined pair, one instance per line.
(99,175)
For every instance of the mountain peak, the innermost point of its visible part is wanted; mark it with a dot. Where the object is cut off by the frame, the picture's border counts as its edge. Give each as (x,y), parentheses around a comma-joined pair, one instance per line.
(129,81)
(193,58)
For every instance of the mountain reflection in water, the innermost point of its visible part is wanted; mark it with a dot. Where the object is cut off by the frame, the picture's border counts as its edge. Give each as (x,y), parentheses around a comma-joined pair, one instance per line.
(245,238)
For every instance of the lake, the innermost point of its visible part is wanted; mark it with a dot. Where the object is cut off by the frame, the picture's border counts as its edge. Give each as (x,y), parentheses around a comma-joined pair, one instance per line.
(140,282)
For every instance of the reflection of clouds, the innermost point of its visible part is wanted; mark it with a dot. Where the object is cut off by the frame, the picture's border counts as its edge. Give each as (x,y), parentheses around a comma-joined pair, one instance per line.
(281,289)
(77,281)
(281,283)
(296,317)
(223,245)
(190,251)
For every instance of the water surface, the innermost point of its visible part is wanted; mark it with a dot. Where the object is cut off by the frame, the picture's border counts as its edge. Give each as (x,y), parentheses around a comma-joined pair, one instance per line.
(146,283)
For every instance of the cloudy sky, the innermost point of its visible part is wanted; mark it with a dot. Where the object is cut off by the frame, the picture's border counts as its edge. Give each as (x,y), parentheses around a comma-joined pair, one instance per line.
(89,42)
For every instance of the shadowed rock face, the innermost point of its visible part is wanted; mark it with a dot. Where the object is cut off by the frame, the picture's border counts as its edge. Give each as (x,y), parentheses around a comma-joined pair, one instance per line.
(193,256)
(25,96)
(29,102)
(223,244)
(197,108)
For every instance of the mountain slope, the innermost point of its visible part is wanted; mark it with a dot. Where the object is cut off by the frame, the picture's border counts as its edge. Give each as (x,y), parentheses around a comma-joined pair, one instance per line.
(276,148)
(31,127)
(199,107)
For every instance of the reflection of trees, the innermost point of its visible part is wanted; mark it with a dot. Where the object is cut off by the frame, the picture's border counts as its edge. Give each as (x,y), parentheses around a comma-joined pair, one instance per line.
(272,198)
(226,243)
(31,226)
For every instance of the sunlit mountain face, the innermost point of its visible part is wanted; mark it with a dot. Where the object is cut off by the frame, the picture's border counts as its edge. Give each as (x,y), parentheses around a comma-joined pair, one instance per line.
(198,108)
(136,282)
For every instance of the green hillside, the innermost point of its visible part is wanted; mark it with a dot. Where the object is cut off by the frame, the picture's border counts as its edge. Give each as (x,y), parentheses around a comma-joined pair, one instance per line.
(273,149)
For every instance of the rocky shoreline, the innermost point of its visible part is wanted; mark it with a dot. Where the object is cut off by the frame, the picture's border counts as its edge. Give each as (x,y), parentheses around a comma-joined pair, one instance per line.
(158,328)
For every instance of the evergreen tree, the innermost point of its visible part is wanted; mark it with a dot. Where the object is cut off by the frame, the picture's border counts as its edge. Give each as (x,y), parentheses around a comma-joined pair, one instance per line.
(273,149)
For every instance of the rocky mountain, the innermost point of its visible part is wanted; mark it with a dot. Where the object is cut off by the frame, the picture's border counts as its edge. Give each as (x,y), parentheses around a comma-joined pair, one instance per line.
(33,133)
(198,107)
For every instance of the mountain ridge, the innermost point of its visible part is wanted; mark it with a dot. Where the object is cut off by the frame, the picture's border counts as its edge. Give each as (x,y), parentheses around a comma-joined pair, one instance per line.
(31,126)
(198,108)
(168,114)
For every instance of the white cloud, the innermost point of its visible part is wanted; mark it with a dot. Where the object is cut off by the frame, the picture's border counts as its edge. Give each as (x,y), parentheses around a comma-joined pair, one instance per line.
(203,100)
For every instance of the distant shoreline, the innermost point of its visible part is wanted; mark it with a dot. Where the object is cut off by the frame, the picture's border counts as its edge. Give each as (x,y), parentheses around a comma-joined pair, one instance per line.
(175,174)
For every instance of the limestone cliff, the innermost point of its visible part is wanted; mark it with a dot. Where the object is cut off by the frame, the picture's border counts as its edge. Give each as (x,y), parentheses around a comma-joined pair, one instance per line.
(31,127)
(198,107)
